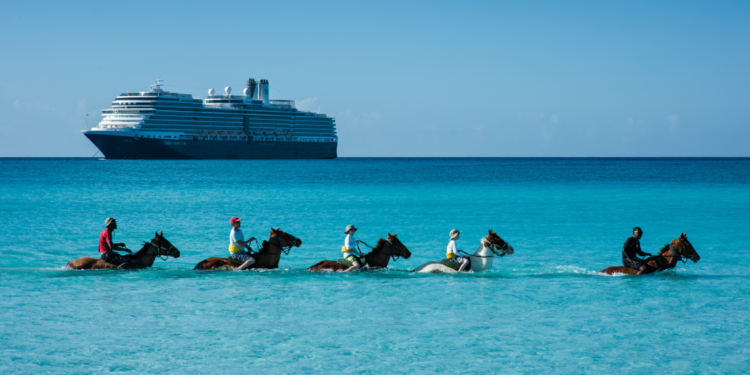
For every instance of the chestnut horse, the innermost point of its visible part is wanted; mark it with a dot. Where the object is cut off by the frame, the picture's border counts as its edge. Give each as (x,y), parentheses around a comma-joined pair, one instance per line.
(378,257)
(267,257)
(489,247)
(677,250)
(143,258)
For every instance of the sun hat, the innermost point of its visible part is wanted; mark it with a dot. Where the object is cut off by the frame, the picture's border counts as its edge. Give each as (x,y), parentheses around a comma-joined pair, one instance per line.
(234,219)
(350,227)
(109,221)
(454,234)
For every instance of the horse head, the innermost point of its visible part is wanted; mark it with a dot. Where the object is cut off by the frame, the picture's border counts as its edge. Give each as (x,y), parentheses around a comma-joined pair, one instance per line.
(163,247)
(685,248)
(399,249)
(285,240)
(498,245)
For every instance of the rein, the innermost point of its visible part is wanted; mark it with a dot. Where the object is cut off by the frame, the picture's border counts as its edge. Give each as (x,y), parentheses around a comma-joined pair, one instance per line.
(491,246)
(393,255)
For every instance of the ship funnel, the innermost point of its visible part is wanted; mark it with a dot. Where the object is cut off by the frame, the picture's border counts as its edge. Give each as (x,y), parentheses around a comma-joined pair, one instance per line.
(252,89)
(264,91)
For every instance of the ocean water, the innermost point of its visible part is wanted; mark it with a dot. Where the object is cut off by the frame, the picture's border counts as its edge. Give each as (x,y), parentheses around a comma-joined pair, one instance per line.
(544,308)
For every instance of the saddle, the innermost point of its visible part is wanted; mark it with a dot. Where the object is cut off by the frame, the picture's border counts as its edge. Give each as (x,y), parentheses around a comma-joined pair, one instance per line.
(347,263)
(455,266)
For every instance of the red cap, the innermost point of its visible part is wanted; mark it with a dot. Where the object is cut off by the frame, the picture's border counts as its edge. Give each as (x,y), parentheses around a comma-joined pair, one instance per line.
(234,219)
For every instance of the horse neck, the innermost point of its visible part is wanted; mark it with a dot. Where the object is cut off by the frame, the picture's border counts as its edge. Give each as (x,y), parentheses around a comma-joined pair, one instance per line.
(146,255)
(378,257)
(483,248)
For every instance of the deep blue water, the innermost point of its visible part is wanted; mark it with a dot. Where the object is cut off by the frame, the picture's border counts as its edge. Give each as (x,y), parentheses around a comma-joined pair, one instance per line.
(545,308)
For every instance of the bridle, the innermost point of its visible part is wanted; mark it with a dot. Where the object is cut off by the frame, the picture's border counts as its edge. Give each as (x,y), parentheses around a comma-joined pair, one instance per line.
(676,254)
(401,251)
(284,249)
(159,248)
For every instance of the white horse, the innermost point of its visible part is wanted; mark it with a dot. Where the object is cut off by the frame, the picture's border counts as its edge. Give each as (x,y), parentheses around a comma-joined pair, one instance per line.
(489,247)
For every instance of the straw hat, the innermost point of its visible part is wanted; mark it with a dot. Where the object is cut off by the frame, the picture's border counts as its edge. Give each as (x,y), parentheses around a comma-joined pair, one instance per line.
(109,221)
(349,228)
(454,234)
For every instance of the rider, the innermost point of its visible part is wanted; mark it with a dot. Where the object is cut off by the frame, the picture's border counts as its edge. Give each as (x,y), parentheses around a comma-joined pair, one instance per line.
(107,248)
(631,248)
(237,243)
(350,250)
(452,253)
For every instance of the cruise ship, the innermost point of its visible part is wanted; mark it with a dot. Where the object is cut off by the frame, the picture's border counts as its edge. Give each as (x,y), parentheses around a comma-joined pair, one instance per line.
(157,124)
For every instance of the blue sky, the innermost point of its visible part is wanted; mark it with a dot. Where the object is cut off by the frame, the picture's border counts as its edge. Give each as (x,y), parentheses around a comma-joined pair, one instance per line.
(402,78)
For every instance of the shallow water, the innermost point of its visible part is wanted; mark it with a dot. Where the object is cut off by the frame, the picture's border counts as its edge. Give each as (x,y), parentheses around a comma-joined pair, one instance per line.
(543,308)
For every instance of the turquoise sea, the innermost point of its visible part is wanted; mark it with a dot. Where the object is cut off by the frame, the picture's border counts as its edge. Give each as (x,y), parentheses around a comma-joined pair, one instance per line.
(543,309)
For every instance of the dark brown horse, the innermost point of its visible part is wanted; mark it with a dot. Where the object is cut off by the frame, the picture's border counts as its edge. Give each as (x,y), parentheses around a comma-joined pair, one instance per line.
(143,258)
(677,250)
(268,256)
(379,257)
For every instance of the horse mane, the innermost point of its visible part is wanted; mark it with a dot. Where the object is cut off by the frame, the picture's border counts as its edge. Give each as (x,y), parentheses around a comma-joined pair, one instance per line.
(142,251)
(664,249)
(381,243)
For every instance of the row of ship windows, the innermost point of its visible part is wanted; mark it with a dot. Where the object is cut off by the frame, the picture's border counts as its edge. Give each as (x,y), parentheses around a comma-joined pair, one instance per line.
(213,113)
(183,118)
(153,109)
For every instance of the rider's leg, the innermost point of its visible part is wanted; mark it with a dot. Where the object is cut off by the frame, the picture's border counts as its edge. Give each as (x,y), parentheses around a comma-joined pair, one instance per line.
(645,269)
(354,267)
(246,264)
(463,264)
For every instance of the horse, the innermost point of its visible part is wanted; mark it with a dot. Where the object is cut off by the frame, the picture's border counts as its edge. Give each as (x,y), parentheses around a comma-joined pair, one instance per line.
(143,258)
(677,250)
(267,257)
(489,247)
(378,257)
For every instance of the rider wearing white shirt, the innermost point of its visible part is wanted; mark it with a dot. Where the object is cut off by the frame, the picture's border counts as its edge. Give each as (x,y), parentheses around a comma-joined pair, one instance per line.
(452,253)
(350,250)
(237,242)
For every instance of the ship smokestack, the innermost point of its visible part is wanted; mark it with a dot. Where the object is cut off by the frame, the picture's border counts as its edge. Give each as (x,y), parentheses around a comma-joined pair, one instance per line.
(264,91)
(252,88)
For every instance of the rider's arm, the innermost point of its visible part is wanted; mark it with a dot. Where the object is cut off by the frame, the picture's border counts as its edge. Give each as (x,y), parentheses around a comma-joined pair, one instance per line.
(641,253)
(242,244)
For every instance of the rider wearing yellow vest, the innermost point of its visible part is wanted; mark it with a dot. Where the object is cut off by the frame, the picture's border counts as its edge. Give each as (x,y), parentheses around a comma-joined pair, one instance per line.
(350,250)
(452,253)
(237,242)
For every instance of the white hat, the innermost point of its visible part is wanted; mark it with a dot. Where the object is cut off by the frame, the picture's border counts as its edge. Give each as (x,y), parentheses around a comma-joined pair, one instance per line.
(349,227)
(454,234)
(109,221)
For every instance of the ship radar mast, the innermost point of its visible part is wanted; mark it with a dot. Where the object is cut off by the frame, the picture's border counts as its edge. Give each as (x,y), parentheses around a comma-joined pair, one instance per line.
(156,87)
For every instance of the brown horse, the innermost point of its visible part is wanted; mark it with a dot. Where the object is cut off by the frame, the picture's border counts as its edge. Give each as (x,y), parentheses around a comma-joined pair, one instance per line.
(143,258)
(668,257)
(267,257)
(377,258)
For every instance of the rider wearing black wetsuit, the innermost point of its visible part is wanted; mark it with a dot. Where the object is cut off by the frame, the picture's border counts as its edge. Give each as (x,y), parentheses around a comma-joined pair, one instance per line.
(631,249)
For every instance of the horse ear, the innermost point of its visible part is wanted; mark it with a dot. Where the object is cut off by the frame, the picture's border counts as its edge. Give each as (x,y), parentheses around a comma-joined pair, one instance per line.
(389,235)
(156,234)
(490,231)
(684,235)
(161,234)
(278,229)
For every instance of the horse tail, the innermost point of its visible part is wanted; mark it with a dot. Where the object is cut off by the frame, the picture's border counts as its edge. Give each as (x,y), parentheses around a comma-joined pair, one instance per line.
(315,265)
(199,266)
